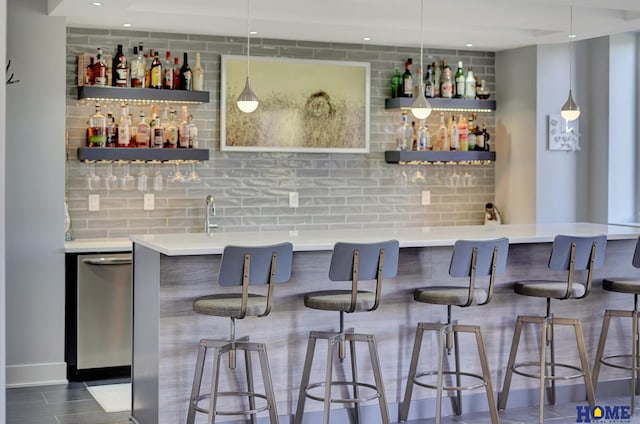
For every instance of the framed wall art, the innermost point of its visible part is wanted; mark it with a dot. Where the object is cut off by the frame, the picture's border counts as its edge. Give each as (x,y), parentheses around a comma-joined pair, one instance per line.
(305,105)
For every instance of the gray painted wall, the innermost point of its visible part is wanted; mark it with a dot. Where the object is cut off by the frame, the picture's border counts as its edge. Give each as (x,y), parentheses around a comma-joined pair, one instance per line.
(3,315)
(34,195)
(516,76)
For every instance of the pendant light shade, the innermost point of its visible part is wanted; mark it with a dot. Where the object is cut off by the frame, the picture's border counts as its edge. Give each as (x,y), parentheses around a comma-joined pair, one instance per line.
(421,108)
(570,110)
(248,101)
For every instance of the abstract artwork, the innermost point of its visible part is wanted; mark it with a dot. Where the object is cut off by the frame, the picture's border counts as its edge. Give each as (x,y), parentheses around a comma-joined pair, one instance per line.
(305,105)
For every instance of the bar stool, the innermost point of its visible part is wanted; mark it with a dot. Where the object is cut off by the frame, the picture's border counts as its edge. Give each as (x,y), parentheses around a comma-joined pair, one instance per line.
(354,262)
(470,259)
(628,286)
(240,266)
(568,253)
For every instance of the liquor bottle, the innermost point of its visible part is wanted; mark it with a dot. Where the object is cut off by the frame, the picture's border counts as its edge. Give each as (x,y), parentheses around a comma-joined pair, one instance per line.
(454,134)
(156,72)
(142,132)
(442,138)
(470,85)
(124,128)
(112,131)
(472,131)
(157,132)
(396,84)
(176,74)
(460,81)
(186,80)
(115,68)
(168,72)
(171,131)
(424,141)
(97,130)
(479,139)
(198,75)
(483,92)
(193,133)
(407,79)
(89,76)
(416,82)
(100,71)
(463,130)
(404,134)
(133,131)
(437,75)
(122,72)
(147,69)
(428,83)
(138,68)
(446,86)
(183,131)
(487,138)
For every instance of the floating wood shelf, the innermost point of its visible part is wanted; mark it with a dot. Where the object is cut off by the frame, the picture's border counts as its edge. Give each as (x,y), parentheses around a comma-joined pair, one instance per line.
(150,95)
(438,104)
(141,154)
(430,156)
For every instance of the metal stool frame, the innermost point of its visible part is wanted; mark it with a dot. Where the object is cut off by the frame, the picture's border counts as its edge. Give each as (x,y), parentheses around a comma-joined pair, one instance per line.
(569,254)
(233,343)
(494,263)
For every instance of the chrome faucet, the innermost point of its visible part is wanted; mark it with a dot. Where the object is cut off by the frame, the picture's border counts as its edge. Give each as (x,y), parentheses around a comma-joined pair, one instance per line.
(209,212)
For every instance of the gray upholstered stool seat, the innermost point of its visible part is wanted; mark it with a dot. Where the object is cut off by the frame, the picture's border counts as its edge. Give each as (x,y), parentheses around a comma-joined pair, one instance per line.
(548,289)
(449,295)
(470,259)
(242,266)
(354,263)
(229,305)
(339,300)
(572,255)
(622,285)
(627,361)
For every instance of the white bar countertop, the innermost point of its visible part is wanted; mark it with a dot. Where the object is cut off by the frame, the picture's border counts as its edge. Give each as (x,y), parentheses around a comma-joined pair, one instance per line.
(214,243)
(98,245)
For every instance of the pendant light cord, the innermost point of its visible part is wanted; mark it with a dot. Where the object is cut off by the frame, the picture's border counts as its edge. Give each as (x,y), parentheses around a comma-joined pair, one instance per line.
(248,34)
(571,36)
(421,39)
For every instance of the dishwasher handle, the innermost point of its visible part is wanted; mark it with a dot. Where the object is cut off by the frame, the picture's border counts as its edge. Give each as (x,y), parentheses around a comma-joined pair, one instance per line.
(102,260)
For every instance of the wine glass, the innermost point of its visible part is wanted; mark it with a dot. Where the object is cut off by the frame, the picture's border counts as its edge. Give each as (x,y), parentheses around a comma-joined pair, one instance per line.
(93,179)
(158,181)
(176,175)
(142,178)
(192,176)
(110,180)
(127,181)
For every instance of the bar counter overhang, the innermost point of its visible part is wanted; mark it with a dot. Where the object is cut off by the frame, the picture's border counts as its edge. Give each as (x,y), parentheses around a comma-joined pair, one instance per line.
(171,270)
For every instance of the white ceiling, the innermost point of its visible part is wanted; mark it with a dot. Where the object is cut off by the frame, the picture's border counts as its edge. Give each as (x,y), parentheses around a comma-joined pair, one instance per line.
(488,24)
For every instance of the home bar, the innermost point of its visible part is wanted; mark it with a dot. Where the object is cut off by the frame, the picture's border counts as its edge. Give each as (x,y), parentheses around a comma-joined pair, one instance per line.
(171,270)
(153,181)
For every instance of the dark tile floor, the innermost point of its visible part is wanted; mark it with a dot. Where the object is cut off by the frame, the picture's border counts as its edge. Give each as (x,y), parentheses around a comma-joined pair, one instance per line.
(73,404)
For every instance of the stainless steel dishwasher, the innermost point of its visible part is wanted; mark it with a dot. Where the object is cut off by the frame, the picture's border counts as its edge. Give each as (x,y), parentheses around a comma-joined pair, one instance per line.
(104,310)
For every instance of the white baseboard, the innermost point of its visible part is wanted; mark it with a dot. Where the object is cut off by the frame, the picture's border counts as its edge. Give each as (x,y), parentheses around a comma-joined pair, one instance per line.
(25,375)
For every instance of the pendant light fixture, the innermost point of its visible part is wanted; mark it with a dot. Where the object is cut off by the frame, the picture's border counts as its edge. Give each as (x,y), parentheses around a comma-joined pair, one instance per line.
(248,101)
(421,108)
(570,111)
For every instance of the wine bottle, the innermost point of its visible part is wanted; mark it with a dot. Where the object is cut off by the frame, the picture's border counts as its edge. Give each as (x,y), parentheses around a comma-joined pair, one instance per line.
(115,67)
(407,79)
(460,81)
(198,75)
(122,72)
(396,83)
(176,74)
(156,72)
(186,81)
(168,72)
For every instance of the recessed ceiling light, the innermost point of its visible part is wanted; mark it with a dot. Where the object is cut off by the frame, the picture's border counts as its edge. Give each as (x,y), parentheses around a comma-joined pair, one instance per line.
(253,32)
(127,25)
(469,44)
(366,38)
(96,3)
(572,35)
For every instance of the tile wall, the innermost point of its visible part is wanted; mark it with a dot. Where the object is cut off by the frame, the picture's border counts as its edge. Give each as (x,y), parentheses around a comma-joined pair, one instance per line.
(252,189)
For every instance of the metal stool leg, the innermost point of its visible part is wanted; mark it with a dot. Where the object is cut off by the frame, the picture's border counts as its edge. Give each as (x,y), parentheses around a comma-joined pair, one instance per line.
(552,362)
(377,375)
(215,377)
(504,395)
(354,376)
(486,374)
(634,360)
(249,373)
(331,345)
(441,348)
(306,374)
(456,345)
(268,384)
(417,344)
(543,369)
(197,381)
(600,351)
(584,363)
